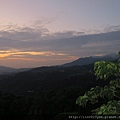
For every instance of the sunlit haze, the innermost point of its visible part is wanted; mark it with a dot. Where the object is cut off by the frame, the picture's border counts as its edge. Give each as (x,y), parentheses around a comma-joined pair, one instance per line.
(36,33)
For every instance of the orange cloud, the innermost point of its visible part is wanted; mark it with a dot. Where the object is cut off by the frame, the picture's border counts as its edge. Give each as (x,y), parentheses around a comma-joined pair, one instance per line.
(24,59)
(17,53)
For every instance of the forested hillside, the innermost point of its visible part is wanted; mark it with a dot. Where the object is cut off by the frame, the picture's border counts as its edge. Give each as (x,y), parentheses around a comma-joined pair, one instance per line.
(47,91)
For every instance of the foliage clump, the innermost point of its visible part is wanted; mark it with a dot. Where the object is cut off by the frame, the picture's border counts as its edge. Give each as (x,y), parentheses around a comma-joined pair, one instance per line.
(104,70)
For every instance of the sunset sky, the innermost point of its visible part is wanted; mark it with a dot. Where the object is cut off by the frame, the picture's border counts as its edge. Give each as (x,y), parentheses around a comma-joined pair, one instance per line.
(37,33)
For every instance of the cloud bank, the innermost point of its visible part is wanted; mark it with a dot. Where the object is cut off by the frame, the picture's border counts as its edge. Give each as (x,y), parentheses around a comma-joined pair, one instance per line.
(46,48)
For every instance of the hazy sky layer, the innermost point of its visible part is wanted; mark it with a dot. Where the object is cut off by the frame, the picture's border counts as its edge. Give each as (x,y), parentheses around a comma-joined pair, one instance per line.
(50,32)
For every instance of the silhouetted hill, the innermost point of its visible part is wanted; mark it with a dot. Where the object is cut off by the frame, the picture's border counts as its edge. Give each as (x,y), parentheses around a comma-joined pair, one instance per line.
(49,78)
(4,70)
(91,59)
(8,70)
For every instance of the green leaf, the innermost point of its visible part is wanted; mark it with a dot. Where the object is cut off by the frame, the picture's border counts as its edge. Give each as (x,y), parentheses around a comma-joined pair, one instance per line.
(92,89)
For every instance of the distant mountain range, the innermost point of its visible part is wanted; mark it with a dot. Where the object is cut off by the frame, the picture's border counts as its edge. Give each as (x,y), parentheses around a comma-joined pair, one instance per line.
(8,70)
(4,69)
(91,59)
(79,62)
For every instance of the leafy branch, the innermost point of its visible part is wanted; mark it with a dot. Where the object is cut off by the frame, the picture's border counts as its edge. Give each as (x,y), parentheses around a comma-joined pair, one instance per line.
(103,70)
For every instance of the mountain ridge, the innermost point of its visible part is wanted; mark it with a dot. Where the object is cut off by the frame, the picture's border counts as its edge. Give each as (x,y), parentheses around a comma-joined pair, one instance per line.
(79,62)
(91,59)
(8,70)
